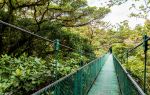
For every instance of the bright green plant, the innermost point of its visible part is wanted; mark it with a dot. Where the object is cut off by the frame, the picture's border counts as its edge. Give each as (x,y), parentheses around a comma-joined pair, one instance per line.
(22,74)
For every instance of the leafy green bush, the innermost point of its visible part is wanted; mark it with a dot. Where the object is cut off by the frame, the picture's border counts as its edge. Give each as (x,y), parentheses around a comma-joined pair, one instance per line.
(24,75)
(21,74)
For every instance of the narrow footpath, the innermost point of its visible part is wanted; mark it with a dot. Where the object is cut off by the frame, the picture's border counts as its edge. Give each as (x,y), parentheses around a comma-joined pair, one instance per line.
(106,82)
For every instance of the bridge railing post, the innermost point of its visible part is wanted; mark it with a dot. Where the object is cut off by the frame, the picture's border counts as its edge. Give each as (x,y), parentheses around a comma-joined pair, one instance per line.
(145,45)
(110,49)
(80,78)
(78,83)
(56,49)
(127,55)
(75,89)
(81,61)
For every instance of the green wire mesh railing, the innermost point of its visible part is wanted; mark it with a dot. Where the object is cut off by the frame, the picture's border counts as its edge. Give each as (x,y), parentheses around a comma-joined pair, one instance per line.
(127,85)
(76,83)
(134,59)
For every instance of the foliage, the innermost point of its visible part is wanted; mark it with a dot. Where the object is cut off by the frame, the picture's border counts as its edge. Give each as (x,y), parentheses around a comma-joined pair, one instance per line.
(19,75)
(129,39)
(46,18)
(29,63)
(24,75)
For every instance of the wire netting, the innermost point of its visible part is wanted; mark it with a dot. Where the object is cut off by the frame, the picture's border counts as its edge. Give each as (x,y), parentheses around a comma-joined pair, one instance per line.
(127,85)
(29,60)
(135,65)
(77,83)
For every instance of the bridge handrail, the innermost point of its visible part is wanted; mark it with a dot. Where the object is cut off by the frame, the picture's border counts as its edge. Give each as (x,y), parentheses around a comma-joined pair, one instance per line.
(87,66)
(137,87)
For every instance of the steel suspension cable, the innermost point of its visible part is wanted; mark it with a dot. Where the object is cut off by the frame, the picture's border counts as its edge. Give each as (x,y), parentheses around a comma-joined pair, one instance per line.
(33,34)
(138,45)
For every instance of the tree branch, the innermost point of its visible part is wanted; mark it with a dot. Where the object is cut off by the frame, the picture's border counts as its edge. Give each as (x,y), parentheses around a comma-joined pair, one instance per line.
(72,18)
(36,18)
(3,4)
(30,5)
(79,25)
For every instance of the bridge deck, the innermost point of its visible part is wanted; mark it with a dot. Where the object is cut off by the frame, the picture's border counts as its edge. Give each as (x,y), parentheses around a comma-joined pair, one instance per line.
(106,82)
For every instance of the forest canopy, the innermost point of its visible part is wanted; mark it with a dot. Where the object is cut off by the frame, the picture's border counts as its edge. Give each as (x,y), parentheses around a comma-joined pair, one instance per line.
(28,63)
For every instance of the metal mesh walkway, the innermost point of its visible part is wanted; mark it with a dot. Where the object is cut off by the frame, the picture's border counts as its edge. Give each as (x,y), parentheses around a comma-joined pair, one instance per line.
(106,82)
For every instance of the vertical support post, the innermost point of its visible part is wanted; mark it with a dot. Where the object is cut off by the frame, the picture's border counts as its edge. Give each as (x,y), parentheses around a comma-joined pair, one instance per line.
(81,62)
(78,79)
(78,83)
(80,75)
(57,90)
(81,82)
(122,56)
(127,55)
(145,45)
(56,48)
(110,50)
(75,89)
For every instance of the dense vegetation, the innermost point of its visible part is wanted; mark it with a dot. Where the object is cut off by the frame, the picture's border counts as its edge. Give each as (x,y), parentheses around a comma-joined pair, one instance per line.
(28,63)
(129,38)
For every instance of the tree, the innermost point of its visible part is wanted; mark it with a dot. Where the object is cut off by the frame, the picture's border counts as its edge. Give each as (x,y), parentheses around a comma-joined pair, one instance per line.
(32,15)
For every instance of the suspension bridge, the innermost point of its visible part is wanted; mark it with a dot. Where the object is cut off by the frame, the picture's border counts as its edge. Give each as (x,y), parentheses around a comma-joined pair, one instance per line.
(102,76)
